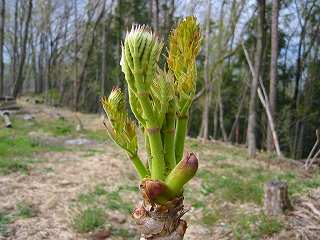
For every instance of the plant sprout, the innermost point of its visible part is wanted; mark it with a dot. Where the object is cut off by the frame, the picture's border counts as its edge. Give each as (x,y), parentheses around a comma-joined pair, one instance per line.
(160,100)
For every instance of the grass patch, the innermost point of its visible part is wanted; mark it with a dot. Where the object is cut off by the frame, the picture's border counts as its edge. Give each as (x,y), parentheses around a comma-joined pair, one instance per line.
(123,233)
(26,210)
(210,217)
(88,220)
(11,165)
(107,199)
(230,187)
(17,148)
(255,226)
(5,219)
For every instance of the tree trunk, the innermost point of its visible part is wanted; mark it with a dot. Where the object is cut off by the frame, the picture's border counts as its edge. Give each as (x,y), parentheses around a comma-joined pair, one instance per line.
(223,130)
(20,78)
(205,114)
(2,13)
(157,29)
(87,56)
(104,57)
(251,138)
(235,124)
(273,69)
(15,44)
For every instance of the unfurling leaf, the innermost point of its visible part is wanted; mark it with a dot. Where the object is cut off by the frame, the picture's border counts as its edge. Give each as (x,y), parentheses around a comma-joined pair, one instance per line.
(120,128)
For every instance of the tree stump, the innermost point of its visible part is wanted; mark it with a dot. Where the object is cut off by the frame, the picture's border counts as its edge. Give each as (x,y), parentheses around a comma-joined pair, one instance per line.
(5,115)
(276,200)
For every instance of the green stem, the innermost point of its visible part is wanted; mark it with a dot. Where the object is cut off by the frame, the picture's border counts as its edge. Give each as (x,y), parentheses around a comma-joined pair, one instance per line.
(158,165)
(168,138)
(147,146)
(182,124)
(139,166)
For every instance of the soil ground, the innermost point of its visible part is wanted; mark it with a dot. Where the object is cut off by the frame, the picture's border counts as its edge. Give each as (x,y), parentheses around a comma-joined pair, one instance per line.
(79,170)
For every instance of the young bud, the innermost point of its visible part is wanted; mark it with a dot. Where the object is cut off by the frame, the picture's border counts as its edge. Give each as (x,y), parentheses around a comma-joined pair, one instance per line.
(140,54)
(184,46)
(182,173)
(120,128)
(156,191)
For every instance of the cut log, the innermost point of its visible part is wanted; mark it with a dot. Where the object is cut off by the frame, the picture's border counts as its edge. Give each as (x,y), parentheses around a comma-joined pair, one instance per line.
(6,117)
(276,199)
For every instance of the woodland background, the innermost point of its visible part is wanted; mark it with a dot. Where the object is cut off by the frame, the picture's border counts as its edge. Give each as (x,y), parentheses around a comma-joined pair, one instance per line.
(68,53)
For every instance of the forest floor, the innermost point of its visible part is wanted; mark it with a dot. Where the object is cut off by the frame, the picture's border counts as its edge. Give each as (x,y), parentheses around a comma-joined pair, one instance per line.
(58,183)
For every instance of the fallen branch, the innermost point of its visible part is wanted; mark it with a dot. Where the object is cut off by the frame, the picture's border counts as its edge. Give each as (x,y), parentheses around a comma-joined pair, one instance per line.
(310,159)
(265,103)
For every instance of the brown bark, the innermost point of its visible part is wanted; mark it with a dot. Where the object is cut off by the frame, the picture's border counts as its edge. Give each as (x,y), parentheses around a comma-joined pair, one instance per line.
(273,68)
(2,18)
(20,78)
(251,137)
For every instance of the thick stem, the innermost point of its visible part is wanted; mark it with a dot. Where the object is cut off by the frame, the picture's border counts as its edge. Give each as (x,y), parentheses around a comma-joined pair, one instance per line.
(168,140)
(158,165)
(160,222)
(139,166)
(182,124)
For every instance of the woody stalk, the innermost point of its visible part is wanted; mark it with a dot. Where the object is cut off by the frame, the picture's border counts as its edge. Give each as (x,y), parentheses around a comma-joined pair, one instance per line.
(160,100)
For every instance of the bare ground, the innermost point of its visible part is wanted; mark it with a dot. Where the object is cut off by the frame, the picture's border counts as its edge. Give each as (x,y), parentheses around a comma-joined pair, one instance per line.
(54,184)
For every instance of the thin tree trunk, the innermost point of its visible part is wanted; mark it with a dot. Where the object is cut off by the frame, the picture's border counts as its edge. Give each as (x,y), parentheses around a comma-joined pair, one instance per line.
(223,130)
(20,78)
(87,56)
(157,29)
(76,49)
(236,120)
(215,121)
(205,114)
(2,13)
(15,44)
(273,69)
(104,57)
(251,137)
(262,93)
